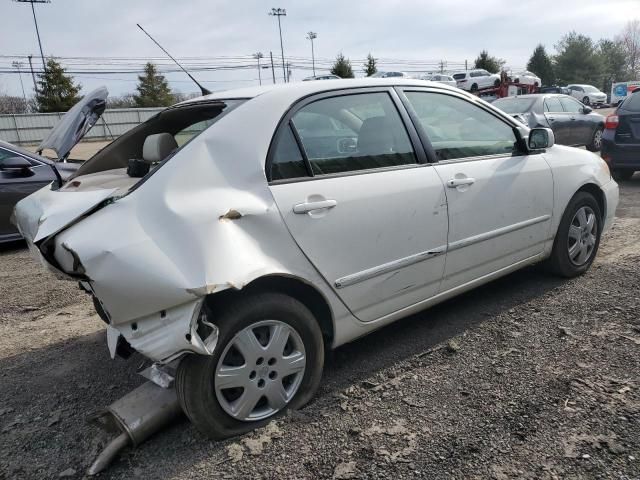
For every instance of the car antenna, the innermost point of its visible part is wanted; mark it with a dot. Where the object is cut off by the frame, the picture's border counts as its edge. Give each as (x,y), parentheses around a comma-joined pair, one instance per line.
(202,89)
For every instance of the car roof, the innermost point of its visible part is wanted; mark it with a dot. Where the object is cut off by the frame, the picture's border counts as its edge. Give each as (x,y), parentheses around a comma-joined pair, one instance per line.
(302,89)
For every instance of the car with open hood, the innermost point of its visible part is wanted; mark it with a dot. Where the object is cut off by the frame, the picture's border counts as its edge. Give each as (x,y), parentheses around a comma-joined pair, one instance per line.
(240,234)
(23,172)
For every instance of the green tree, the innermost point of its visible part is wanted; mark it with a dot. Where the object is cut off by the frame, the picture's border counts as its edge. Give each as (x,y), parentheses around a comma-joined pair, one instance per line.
(370,66)
(342,67)
(153,89)
(541,65)
(56,90)
(489,63)
(613,59)
(577,60)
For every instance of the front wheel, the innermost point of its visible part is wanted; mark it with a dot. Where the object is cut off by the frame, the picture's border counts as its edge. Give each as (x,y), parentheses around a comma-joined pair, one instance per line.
(269,357)
(596,141)
(578,237)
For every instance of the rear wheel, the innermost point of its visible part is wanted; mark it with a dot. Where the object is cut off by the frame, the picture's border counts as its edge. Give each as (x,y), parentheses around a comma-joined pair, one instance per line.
(474,87)
(578,237)
(622,174)
(586,100)
(269,358)
(596,140)
(496,83)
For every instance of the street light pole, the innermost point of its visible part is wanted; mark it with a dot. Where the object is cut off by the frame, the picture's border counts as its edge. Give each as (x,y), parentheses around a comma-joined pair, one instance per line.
(312,36)
(280,12)
(33,10)
(258,56)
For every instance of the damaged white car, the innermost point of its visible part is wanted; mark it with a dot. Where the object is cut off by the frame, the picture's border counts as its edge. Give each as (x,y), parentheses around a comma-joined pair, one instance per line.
(244,232)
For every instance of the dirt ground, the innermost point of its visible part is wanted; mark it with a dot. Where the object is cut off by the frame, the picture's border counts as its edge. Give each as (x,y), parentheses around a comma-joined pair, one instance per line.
(530,376)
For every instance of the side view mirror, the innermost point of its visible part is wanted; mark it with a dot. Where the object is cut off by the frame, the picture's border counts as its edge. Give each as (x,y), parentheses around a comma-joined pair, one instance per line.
(15,164)
(586,109)
(541,138)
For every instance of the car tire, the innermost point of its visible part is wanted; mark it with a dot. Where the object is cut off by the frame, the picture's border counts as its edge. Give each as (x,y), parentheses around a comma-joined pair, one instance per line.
(568,258)
(586,101)
(474,87)
(622,174)
(208,405)
(496,83)
(596,140)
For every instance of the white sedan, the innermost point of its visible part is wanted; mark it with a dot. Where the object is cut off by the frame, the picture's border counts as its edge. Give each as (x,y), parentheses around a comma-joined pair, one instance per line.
(526,78)
(298,218)
(440,78)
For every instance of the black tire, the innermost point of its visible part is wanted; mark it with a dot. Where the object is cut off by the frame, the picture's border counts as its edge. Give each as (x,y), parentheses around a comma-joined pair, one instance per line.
(559,262)
(586,101)
(596,140)
(622,174)
(195,375)
(474,87)
(496,83)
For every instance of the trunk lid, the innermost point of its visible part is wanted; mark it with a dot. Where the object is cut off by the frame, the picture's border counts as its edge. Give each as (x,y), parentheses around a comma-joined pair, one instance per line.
(74,125)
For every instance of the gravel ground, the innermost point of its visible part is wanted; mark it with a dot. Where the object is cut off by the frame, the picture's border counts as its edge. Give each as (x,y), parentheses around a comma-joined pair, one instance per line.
(528,377)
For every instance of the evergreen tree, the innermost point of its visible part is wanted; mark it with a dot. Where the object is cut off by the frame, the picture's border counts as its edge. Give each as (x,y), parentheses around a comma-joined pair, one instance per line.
(153,89)
(489,63)
(613,59)
(342,67)
(56,90)
(577,60)
(541,65)
(370,66)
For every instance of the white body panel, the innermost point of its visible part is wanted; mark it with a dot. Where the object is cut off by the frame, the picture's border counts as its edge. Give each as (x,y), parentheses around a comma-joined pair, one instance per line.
(152,255)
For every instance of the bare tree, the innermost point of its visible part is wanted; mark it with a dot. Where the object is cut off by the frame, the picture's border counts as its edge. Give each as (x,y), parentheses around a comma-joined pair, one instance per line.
(630,40)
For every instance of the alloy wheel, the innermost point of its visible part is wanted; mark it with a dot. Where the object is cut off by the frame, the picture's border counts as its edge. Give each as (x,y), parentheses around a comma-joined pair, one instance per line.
(581,241)
(260,370)
(597,139)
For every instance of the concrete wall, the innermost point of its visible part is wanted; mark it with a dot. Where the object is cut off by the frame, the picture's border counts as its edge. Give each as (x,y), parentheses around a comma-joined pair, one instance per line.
(32,128)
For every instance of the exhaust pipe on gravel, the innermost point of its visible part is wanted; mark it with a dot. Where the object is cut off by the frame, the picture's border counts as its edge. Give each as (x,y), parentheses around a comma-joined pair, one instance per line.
(137,416)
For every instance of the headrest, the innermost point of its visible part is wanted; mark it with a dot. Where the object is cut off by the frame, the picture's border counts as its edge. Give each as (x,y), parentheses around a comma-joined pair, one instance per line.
(158,147)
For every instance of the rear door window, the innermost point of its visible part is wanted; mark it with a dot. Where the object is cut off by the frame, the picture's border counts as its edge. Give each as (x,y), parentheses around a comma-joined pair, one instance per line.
(344,134)
(632,103)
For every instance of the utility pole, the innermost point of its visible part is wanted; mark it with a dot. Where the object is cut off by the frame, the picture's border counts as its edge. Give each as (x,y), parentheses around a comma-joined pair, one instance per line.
(312,36)
(258,56)
(442,65)
(288,71)
(465,65)
(273,70)
(33,75)
(17,66)
(35,21)
(280,12)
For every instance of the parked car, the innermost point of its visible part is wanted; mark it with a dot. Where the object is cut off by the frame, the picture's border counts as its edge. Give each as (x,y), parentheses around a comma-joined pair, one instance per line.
(302,217)
(525,78)
(472,80)
(572,123)
(440,78)
(621,138)
(555,89)
(380,74)
(588,94)
(322,77)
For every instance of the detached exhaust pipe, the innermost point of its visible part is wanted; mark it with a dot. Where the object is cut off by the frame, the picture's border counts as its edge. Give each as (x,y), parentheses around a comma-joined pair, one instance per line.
(138,415)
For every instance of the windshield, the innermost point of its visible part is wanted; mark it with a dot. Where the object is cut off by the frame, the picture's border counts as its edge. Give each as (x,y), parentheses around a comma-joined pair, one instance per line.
(514,105)
(590,89)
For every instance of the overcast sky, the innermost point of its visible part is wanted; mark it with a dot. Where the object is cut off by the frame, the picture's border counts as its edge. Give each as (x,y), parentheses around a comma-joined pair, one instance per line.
(454,30)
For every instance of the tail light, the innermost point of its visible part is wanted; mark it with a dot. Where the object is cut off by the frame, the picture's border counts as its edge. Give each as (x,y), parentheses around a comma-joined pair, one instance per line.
(611,122)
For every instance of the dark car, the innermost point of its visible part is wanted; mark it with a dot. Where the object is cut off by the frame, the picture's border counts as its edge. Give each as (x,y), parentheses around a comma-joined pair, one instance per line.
(572,122)
(621,138)
(23,172)
(555,89)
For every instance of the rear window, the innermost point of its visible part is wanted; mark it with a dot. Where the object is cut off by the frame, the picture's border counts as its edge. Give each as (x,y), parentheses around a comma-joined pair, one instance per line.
(514,105)
(632,103)
(459,76)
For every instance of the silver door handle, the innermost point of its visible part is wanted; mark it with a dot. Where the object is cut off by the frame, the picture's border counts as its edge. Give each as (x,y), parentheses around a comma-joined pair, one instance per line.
(310,206)
(456,182)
